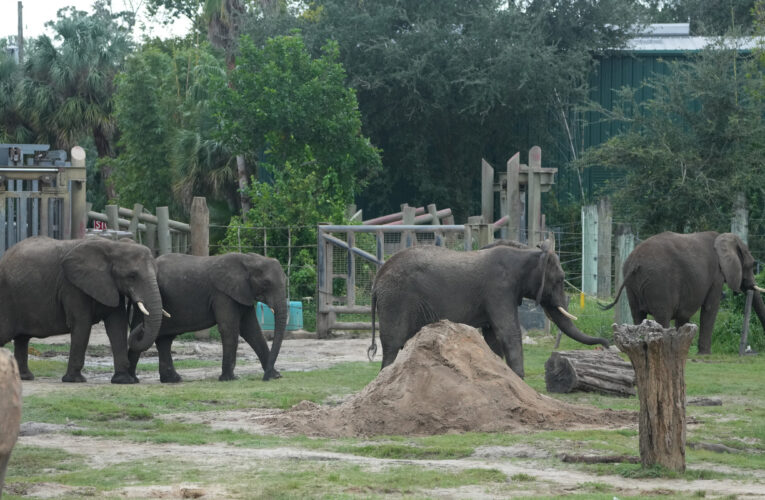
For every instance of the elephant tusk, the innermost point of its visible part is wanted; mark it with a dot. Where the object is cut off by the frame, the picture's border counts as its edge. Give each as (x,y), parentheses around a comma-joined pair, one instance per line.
(567,314)
(761,290)
(166,314)
(143,309)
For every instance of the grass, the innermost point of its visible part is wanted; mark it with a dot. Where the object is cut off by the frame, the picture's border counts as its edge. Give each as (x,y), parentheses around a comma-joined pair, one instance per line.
(144,414)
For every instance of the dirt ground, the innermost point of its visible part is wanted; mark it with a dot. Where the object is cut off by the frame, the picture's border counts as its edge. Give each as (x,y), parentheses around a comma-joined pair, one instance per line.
(311,354)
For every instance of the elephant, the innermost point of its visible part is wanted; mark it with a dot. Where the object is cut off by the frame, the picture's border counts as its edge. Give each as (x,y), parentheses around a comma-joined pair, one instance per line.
(52,287)
(10,409)
(199,292)
(482,288)
(672,275)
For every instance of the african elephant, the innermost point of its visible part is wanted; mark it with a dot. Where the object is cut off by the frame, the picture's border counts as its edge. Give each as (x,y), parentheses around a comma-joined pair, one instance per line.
(671,276)
(199,292)
(10,409)
(482,288)
(52,287)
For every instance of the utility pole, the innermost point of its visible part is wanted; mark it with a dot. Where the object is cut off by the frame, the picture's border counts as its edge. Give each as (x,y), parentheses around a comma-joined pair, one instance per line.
(20,41)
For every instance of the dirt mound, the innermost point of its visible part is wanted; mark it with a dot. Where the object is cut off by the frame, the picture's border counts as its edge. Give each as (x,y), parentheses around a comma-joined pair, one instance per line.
(446,379)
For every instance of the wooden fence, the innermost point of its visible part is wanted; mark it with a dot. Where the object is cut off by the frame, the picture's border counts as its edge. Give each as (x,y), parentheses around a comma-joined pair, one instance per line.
(157,231)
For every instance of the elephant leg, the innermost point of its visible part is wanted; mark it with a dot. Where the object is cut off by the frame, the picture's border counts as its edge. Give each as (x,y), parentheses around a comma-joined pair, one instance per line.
(508,332)
(228,318)
(637,314)
(707,321)
(21,353)
(167,373)
(79,343)
(4,457)
(253,335)
(116,329)
(491,339)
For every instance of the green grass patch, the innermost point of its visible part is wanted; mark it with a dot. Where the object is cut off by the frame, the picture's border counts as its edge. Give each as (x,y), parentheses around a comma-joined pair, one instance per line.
(300,479)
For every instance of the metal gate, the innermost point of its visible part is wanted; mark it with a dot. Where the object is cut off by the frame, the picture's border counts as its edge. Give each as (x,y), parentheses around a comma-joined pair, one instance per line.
(41,193)
(349,257)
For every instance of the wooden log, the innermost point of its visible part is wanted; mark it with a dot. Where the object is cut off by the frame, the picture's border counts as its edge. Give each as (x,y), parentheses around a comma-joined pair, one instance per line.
(590,371)
(658,356)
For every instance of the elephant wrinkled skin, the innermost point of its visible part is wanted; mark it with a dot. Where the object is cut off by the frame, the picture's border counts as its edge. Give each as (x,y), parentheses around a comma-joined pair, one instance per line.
(199,292)
(10,409)
(671,276)
(483,289)
(52,287)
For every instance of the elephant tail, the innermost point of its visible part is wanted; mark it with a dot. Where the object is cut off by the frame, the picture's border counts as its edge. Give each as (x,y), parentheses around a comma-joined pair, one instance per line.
(616,299)
(372,350)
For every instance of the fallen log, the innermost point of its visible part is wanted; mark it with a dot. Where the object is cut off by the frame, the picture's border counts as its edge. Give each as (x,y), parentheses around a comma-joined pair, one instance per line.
(594,459)
(592,371)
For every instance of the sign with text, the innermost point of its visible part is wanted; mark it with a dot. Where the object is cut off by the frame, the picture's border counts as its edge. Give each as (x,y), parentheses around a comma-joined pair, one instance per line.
(100,225)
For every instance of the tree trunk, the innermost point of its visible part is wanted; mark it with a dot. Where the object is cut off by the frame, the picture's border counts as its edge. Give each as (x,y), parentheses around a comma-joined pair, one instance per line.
(591,371)
(244,195)
(658,356)
(104,149)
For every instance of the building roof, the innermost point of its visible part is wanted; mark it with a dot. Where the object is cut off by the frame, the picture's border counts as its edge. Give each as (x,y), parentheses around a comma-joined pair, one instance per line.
(675,38)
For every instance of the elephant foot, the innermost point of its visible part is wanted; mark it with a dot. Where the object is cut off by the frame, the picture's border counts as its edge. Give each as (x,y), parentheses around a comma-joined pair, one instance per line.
(271,374)
(76,378)
(26,376)
(170,378)
(227,376)
(124,378)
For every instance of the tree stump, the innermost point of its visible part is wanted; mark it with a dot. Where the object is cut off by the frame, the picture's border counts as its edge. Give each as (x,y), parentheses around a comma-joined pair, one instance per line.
(592,371)
(658,356)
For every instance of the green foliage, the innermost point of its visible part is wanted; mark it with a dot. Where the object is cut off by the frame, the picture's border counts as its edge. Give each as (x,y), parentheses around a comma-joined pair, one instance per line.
(441,84)
(682,151)
(167,152)
(296,114)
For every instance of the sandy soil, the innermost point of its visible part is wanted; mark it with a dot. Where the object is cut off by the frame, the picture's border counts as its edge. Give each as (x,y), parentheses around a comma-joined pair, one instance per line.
(310,354)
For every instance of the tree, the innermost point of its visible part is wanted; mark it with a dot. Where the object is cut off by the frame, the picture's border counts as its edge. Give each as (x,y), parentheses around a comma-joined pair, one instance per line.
(690,150)
(296,113)
(441,84)
(167,151)
(67,88)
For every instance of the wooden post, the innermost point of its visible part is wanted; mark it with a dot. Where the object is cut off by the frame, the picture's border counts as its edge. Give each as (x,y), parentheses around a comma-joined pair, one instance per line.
(604,248)
(163,230)
(590,249)
(514,206)
(658,356)
(78,193)
(473,228)
(625,243)
(739,223)
(200,226)
(434,213)
(134,221)
(324,319)
(151,237)
(44,224)
(487,192)
(3,223)
(534,190)
(408,220)
(112,215)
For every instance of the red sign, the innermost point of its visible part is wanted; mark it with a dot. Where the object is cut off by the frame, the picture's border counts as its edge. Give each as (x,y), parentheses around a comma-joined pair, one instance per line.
(98,224)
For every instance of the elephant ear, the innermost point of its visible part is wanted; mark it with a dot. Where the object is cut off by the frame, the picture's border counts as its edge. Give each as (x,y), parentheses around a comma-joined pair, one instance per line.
(543,259)
(88,267)
(728,246)
(231,277)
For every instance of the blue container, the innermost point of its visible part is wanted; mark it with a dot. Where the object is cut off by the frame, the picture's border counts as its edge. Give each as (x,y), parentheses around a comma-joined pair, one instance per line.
(294,316)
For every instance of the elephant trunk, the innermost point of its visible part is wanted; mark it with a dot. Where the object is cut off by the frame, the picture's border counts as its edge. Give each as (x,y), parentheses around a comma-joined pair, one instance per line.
(567,326)
(141,339)
(759,307)
(281,308)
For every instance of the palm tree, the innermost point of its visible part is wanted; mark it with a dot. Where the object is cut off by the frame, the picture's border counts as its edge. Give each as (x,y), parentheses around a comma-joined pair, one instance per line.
(224,19)
(68,86)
